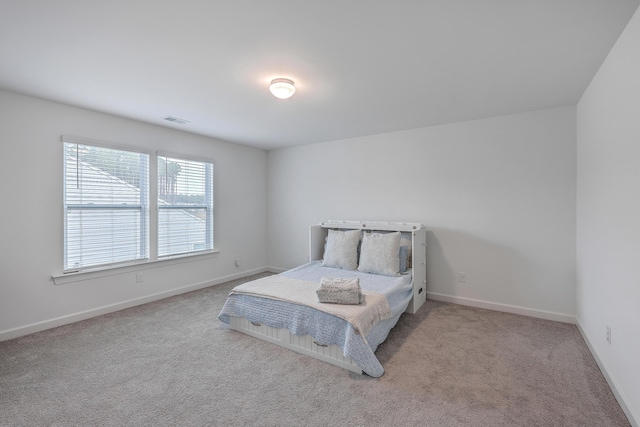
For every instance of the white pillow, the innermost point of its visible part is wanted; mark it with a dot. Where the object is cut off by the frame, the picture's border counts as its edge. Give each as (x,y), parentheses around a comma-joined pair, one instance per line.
(380,253)
(341,250)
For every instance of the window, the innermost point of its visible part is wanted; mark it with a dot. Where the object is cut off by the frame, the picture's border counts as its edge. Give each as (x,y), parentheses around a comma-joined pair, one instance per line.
(108,213)
(106,206)
(185,206)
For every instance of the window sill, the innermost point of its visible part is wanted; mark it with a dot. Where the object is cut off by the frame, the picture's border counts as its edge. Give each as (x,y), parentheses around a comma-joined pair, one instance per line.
(62,278)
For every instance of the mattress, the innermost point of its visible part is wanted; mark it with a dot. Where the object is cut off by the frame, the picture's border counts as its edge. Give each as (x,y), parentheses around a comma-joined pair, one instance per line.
(324,327)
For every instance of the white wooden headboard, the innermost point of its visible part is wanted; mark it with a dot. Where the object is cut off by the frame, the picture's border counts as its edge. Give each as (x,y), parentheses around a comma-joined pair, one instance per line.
(318,233)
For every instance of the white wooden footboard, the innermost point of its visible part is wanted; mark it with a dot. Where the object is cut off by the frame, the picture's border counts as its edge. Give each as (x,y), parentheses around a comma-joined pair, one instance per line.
(304,344)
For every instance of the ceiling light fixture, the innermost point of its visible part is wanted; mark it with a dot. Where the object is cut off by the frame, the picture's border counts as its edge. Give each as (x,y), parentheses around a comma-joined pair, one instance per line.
(282,88)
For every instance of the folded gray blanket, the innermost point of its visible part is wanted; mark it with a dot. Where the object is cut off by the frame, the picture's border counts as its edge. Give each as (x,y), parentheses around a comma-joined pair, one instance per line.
(336,290)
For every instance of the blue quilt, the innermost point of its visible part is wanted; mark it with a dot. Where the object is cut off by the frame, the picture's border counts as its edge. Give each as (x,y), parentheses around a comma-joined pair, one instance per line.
(323,327)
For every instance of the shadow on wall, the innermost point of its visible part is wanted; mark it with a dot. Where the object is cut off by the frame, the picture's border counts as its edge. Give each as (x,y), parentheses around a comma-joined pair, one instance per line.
(463,265)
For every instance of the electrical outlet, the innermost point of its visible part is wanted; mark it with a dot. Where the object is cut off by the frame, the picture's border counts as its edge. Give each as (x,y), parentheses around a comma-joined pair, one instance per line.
(138,277)
(609,334)
(462,277)
(237,262)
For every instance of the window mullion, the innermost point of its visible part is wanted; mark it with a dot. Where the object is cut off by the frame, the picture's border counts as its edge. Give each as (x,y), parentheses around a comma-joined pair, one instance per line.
(153,208)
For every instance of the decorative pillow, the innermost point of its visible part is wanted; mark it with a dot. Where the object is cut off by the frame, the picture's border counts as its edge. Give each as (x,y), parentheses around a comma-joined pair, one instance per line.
(341,250)
(404,255)
(380,253)
(405,240)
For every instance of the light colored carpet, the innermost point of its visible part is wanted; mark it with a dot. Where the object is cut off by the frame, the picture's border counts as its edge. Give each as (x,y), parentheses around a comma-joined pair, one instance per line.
(173,363)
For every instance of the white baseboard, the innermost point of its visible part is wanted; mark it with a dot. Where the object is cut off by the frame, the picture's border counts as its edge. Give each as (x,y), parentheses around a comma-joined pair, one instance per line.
(87,314)
(613,384)
(276,270)
(524,311)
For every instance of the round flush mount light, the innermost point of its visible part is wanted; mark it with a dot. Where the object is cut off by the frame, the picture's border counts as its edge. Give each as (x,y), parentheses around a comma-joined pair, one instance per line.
(282,88)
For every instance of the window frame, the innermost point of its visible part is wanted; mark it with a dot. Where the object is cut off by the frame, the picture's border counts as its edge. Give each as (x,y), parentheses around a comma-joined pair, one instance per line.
(210,219)
(152,232)
(144,209)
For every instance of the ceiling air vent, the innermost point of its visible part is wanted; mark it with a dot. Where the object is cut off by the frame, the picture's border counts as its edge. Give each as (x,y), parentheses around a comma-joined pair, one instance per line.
(176,120)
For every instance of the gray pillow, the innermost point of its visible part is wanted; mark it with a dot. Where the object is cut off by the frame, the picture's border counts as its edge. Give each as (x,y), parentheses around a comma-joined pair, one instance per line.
(341,250)
(380,253)
(404,255)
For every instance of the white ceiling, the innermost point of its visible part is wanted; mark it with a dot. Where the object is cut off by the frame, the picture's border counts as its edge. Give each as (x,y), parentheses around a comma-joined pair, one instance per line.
(361,67)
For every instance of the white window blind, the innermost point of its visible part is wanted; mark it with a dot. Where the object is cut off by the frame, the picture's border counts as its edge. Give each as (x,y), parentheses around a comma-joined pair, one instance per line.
(106,206)
(185,206)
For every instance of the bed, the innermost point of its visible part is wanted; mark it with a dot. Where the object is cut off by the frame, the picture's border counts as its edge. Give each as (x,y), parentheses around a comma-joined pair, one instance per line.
(331,336)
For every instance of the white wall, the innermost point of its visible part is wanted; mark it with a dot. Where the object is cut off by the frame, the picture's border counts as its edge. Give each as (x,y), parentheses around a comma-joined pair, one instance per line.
(497,196)
(31,227)
(608,212)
